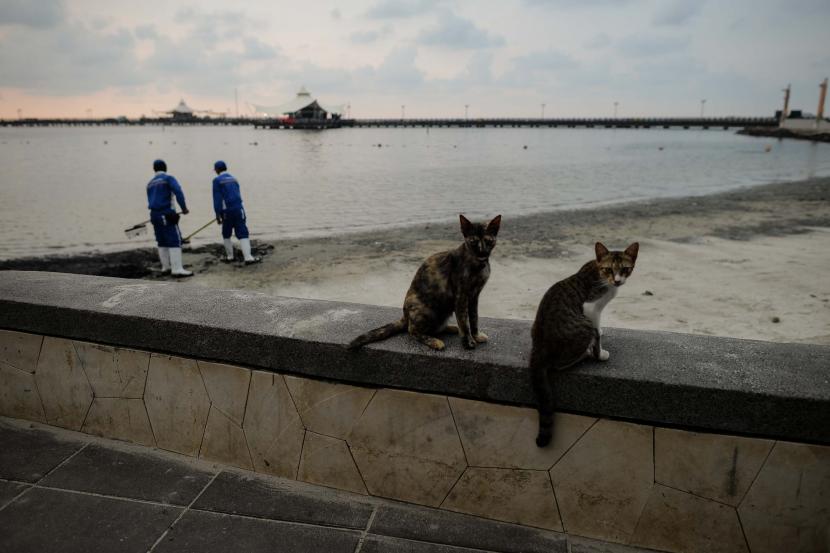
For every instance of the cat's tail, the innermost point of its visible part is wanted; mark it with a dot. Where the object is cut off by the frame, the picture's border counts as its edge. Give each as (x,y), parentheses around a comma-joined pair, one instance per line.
(378,334)
(540,381)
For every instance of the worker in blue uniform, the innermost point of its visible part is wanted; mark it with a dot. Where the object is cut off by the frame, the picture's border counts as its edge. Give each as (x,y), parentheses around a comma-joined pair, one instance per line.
(227,203)
(161,192)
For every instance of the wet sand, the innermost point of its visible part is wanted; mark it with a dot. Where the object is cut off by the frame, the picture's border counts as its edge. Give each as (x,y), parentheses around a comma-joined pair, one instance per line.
(751,263)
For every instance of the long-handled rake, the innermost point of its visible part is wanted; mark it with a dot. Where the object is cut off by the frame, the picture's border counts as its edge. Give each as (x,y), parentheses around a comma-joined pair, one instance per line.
(137,230)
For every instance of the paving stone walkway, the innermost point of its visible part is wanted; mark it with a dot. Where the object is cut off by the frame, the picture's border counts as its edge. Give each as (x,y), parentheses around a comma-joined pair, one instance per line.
(62,491)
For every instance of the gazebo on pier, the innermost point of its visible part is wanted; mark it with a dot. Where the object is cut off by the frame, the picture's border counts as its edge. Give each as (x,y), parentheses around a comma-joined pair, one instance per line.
(304,111)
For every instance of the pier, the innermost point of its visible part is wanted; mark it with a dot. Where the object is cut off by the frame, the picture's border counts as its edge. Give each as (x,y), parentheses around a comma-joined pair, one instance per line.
(572,123)
(724,123)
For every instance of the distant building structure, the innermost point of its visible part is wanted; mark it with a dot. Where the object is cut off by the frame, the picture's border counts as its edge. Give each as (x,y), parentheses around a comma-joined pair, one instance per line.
(798,122)
(183,112)
(304,107)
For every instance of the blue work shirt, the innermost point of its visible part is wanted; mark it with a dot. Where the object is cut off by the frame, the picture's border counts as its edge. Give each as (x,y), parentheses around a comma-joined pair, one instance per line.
(226,196)
(160,192)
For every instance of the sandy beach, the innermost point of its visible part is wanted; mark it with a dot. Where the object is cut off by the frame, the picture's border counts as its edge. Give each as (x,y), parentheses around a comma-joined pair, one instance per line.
(750,264)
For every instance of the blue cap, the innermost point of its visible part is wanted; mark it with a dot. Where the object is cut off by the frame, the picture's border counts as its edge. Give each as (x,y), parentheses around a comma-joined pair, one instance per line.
(220,166)
(159,165)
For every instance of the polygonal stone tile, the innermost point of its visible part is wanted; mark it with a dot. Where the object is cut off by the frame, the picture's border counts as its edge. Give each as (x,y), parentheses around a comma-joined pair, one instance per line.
(177,403)
(709,465)
(411,479)
(505,436)
(20,349)
(121,419)
(677,521)
(114,372)
(604,481)
(62,384)
(224,441)
(273,427)
(788,506)
(406,447)
(520,496)
(328,408)
(227,387)
(19,397)
(327,461)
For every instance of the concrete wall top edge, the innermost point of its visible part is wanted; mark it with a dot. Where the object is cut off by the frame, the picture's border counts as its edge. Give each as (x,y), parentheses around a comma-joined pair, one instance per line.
(712,383)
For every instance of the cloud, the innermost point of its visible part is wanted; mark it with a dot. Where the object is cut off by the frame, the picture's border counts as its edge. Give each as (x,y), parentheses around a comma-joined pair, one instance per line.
(598,41)
(568,4)
(368,37)
(398,70)
(73,59)
(255,49)
(394,9)
(32,13)
(651,45)
(677,12)
(541,68)
(76,58)
(146,32)
(458,33)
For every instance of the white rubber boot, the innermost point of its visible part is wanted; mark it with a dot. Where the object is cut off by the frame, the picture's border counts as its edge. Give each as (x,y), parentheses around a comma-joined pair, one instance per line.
(245,244)
(164,257)
(228,249)
(176,263)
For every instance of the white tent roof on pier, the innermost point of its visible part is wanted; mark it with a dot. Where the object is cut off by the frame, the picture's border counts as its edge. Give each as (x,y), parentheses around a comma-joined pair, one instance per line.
(300,102)
(182,108)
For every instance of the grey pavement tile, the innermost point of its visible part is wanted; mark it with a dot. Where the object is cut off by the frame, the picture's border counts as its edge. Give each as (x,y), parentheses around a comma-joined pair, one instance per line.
(385,544)
(263,498)
(50,520)
(27,454)
(130,473)
(435,526)
(9,490)
(202,532)
(586,545)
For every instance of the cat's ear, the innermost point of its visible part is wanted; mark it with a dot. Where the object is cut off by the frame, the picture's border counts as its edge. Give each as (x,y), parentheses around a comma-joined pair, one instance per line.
(600,250)
(466,225)
(632,250)
(493,226)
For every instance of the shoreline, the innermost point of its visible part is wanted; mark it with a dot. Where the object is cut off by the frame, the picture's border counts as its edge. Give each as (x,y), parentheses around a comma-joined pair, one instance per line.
(747,263)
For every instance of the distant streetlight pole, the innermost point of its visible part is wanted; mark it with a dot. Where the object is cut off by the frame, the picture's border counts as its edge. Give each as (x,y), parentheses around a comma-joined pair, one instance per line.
(19,113)
(543,111)
(89,113)
(702,104)
(403,112)
(466,107)
(348,111)
(615,109)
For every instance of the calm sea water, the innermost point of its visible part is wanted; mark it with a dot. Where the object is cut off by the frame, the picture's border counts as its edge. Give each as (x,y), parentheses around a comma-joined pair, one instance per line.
(72,189)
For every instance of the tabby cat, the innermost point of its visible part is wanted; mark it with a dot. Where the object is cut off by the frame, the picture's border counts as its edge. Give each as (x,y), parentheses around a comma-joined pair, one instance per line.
(446,283)
(567,330)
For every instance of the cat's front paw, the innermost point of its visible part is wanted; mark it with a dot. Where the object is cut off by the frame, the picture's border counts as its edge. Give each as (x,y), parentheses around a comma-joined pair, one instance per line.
(436,344)
(481,338)
(603,355)
(468,342)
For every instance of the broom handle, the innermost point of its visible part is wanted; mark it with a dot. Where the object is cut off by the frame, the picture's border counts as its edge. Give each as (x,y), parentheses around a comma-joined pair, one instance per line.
(200,229)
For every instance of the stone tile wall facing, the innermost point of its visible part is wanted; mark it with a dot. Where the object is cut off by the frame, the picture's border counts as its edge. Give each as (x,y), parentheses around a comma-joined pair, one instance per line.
(629,483)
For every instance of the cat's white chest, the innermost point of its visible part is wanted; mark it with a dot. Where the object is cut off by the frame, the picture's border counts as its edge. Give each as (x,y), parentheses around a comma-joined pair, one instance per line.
(593,310)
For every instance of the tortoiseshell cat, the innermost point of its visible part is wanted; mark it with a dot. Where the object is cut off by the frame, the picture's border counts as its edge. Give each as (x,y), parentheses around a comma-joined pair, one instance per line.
(567,330)
(446,283)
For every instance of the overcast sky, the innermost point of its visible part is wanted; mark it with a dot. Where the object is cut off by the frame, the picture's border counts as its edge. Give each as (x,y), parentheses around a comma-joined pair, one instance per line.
(503,58)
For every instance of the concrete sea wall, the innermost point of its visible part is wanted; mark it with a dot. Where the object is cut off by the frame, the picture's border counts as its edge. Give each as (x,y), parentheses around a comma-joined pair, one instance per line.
(681,443)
